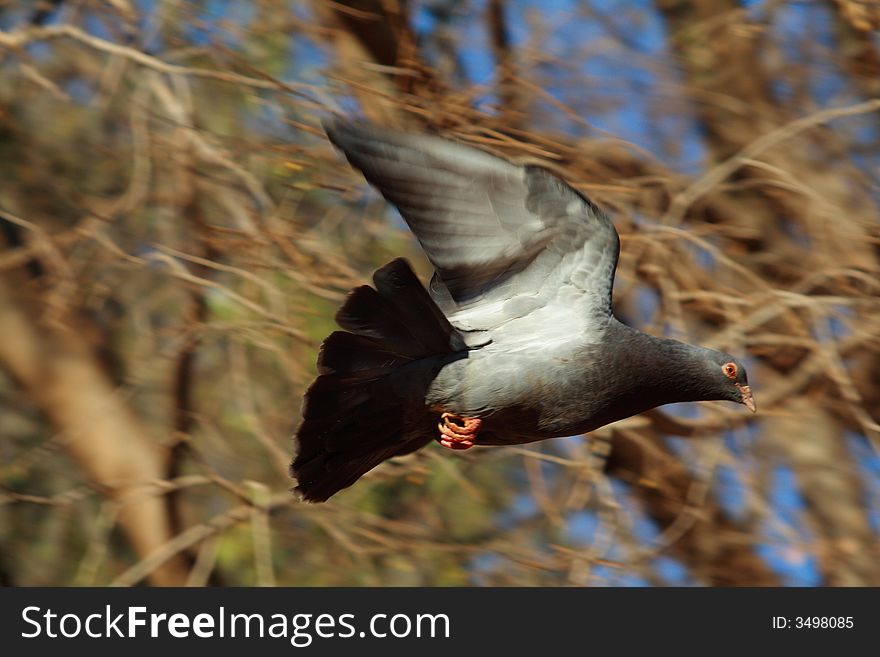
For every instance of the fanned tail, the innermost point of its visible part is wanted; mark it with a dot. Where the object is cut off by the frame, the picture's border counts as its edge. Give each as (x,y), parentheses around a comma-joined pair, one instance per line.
(359,411)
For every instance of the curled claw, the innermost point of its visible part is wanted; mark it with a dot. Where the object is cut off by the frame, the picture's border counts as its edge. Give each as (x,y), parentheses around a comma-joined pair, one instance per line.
(458,432)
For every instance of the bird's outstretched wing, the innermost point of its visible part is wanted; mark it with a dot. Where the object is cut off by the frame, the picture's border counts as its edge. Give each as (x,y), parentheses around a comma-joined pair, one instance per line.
(494,231)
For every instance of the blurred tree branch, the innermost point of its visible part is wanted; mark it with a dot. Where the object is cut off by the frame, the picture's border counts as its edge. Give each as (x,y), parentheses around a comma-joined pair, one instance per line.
(60,372)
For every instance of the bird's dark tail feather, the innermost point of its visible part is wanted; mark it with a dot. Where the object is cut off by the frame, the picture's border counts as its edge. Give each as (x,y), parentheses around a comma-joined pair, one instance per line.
(355,413)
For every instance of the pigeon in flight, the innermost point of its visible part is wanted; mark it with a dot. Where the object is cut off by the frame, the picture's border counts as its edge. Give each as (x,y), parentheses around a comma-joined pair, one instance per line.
(514,339)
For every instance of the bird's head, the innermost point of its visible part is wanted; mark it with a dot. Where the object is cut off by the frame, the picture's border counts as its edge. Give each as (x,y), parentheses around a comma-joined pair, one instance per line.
(729,380)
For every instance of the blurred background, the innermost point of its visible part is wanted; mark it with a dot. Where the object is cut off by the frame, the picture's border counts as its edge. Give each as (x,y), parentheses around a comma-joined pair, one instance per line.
(176,234)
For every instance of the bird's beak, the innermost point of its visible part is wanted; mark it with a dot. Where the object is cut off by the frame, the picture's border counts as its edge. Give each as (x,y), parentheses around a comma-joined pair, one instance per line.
(747,398)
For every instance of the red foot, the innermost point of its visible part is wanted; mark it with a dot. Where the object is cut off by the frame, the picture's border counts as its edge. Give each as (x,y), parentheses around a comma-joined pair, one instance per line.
(458,432)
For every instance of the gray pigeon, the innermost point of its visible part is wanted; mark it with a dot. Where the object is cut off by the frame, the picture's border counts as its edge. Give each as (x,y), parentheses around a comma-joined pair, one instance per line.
(514,340)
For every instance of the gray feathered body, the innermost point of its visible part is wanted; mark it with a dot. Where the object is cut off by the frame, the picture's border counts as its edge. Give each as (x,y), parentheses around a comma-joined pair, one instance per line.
(515,327)
(566,384)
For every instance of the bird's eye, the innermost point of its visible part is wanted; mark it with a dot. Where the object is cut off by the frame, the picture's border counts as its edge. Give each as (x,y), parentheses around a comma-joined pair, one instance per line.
(729,370)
